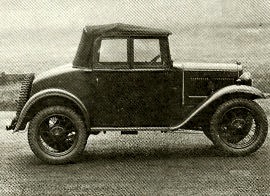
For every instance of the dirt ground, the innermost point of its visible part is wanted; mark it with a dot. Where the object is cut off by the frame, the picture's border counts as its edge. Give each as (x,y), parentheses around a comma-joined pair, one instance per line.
(145,164)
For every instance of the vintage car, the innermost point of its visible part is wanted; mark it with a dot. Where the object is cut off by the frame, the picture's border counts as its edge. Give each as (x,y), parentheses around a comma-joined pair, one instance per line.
(123,79)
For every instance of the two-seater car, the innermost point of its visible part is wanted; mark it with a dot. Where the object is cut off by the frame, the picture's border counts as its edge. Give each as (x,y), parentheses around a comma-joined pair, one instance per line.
(123,79)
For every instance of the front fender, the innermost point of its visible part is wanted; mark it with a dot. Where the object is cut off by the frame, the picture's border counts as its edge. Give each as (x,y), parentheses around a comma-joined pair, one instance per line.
(51,93)
(251,92)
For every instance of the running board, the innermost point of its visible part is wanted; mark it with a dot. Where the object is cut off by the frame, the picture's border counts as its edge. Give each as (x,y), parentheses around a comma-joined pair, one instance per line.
(134,130)
(130,129)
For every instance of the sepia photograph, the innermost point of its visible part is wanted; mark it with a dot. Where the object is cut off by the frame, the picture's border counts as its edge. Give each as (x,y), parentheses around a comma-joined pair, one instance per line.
(134,97)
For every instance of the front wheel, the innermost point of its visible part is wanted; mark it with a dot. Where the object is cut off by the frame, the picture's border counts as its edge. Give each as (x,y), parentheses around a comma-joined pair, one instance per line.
(239,127)
(208,134)
(57,135)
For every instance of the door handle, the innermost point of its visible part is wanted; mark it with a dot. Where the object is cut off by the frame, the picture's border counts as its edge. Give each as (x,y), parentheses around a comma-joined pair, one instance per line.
(174,88)
(97,80)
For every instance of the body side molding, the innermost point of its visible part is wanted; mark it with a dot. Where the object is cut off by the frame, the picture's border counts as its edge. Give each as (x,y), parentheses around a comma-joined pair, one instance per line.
(50,93)
(229,90)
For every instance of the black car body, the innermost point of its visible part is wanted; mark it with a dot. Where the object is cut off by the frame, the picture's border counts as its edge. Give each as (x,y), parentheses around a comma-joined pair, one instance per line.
(118,91)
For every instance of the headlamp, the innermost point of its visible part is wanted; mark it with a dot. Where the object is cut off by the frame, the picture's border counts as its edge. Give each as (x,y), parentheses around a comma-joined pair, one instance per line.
(245,76)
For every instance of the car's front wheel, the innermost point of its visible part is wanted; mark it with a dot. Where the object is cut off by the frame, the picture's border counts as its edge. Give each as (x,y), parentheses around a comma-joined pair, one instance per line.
(57,135)
(208,134)
(239,127)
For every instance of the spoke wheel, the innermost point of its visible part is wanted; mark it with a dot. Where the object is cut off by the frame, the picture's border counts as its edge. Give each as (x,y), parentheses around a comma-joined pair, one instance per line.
(239,127)
(57,135)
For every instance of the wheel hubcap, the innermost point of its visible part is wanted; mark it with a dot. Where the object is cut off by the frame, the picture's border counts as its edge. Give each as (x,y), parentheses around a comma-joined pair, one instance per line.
(57,131)
(238,123)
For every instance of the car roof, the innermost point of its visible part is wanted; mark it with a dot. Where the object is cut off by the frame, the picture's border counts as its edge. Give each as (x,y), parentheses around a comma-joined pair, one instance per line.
(120,29)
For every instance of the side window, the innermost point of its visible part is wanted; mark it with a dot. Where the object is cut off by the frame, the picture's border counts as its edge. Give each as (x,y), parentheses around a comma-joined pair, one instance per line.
(147,52)
(113,50)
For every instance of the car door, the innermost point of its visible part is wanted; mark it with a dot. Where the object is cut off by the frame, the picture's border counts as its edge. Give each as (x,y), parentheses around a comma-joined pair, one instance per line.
(134,85)
(150,79)
(159,85)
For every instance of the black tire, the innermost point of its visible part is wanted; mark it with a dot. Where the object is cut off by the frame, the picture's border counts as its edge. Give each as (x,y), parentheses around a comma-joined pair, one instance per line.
(57,135)
(206,131)
(208,134)
(239,127)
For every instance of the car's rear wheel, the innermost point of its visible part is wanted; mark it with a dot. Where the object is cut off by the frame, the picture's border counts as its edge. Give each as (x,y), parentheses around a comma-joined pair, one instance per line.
(239,127)
(57,135)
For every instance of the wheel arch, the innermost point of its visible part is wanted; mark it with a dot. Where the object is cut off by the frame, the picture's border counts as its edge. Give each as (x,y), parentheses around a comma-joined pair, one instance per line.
(208,106)
(50,97)
(210,109)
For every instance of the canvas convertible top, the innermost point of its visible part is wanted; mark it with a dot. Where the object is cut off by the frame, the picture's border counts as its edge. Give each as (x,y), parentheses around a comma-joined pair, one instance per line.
(91,33)
(125,30)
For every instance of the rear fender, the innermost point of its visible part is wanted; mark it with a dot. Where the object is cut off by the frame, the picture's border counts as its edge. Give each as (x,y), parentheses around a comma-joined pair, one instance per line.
(47,94)
(245,91)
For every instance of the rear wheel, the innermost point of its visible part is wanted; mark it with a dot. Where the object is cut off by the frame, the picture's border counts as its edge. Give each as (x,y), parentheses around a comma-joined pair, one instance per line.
(57,135)
(239,127)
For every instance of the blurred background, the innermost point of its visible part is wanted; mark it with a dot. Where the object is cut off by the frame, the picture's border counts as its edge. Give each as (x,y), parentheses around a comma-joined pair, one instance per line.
(38,35)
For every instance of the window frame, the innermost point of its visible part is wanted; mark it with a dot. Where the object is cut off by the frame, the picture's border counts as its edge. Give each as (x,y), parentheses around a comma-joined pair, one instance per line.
(130,64)
(147,65)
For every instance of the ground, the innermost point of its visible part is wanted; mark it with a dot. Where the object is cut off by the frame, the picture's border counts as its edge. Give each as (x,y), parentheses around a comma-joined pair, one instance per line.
(146,164)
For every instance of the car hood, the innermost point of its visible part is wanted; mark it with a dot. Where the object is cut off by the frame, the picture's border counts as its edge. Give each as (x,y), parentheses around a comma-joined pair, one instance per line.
(190,66)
